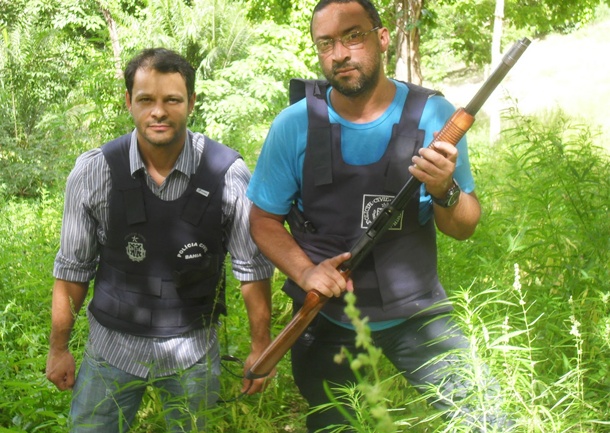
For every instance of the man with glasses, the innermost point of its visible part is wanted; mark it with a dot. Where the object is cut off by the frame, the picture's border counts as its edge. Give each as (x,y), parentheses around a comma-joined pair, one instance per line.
(340,154)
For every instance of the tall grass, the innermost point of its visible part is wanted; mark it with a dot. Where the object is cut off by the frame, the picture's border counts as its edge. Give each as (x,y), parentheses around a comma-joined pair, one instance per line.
(531,290)
(29,231)
(531,287)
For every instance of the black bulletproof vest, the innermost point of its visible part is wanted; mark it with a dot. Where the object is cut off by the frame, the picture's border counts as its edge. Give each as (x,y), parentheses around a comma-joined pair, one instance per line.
(161,271)
(399,278)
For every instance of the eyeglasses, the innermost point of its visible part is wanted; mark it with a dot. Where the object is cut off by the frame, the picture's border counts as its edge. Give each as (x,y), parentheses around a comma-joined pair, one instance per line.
(351,40)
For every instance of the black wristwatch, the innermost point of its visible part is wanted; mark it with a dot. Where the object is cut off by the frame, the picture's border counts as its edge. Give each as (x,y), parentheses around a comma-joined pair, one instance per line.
(452,198)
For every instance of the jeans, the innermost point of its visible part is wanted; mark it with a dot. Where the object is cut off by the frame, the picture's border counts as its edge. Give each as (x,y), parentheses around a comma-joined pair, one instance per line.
(410,346)
(106,399)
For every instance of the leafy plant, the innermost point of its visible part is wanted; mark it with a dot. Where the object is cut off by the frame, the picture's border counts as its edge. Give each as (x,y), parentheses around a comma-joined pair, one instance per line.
(36,89)
(367,397)
(239,103)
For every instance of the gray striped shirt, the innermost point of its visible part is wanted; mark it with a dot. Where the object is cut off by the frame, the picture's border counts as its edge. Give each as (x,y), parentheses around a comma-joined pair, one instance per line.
(84,228)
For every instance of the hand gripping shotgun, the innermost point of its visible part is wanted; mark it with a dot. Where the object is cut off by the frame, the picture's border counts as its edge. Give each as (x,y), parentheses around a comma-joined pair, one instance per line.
(453,130)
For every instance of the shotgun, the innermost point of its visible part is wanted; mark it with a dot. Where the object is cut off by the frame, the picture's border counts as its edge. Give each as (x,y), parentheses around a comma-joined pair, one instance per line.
(452,132)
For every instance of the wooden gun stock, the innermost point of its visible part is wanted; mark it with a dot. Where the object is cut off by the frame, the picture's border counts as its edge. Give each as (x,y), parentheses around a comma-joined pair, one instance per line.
(452,132)
(314,301)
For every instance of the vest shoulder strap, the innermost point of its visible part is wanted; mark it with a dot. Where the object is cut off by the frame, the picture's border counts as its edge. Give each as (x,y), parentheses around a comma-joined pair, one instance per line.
(414,105)
(116,153)
(299,87)
(215,161)
(407,131)
(319,130)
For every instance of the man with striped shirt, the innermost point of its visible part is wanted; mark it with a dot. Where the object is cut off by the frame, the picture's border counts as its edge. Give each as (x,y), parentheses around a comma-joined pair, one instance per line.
(150,216)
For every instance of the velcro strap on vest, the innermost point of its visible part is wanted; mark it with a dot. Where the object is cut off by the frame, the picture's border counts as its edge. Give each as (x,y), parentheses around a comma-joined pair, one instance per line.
(143,284)
(108,308)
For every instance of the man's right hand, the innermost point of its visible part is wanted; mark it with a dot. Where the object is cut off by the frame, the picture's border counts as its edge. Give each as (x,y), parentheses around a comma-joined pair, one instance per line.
(61,368)
(325,278)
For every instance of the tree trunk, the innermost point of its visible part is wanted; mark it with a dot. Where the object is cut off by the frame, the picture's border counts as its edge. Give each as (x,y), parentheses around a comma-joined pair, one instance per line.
(408,59)
(495,108)
(114,39)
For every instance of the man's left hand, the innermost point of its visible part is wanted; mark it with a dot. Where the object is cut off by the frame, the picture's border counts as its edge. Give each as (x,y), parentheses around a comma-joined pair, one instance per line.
(435,167)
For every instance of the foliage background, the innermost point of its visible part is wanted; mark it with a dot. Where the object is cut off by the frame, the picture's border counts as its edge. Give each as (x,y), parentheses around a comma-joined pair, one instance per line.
(531,287)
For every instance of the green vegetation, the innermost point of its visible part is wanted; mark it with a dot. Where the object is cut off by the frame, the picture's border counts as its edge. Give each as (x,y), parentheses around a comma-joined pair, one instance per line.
(531,287)
(531,290)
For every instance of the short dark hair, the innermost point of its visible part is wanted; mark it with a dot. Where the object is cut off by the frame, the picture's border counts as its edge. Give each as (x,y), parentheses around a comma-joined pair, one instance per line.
(370,9)
(161,60)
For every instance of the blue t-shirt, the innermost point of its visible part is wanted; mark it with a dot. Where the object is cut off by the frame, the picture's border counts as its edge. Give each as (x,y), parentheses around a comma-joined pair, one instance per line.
(278,176)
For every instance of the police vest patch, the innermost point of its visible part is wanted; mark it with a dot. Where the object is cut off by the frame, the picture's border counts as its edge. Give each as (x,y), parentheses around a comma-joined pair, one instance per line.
(135,247)
(192,250)
(372,206)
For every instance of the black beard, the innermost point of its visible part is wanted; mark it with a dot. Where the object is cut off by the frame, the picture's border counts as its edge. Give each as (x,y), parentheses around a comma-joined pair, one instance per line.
(363,85)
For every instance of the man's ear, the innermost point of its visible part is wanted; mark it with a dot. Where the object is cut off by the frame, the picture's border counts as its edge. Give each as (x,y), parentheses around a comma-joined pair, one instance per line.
(192,102)
(384,39)
(128,100)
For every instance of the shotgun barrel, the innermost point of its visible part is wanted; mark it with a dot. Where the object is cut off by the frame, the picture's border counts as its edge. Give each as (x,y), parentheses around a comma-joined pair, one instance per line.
(452,132)
(508,61)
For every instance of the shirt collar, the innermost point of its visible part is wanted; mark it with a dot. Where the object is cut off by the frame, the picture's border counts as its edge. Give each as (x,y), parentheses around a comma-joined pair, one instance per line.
(186,162)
